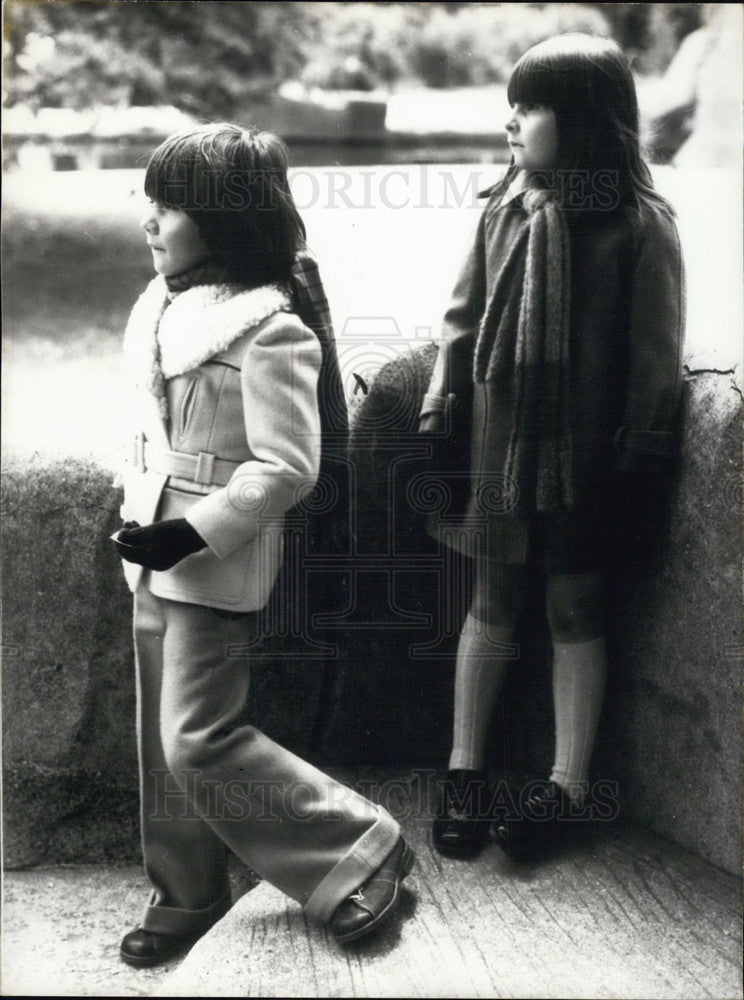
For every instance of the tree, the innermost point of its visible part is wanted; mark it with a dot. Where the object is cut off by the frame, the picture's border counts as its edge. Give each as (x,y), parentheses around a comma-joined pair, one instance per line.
(204,58)
(650,33)
(210,58)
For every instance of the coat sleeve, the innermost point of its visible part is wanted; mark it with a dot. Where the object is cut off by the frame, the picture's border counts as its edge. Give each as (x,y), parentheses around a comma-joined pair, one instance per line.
(458,328)
(279,377)
(648,435)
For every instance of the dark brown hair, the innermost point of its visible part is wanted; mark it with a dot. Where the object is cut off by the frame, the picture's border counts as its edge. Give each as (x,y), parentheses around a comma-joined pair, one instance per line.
(233,183)
(587,82)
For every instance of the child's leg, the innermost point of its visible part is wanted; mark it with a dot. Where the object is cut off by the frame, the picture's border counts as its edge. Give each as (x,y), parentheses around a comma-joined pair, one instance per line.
(485,650)
(576,616)
(310,836)
(185,861)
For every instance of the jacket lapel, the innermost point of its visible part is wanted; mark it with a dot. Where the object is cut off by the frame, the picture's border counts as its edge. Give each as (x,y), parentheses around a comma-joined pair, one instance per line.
(205,320)
(163,340)
(142,357)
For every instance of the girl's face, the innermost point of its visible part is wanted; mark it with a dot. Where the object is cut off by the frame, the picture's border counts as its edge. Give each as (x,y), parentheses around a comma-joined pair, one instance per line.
(174,239)
(533,136)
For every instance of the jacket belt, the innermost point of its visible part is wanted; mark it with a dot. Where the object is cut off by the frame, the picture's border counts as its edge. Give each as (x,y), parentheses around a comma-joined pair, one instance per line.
(205,468)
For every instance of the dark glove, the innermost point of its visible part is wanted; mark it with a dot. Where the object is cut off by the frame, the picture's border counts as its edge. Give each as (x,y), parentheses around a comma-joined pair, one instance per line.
(158,546)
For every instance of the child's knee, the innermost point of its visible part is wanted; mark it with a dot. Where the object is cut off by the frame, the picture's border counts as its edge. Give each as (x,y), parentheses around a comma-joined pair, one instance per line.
(575,607)
(200,750)
(499,594)
(183,751)
(189,749)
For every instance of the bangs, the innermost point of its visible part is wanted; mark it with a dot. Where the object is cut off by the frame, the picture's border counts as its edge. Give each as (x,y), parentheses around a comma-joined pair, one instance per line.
(565,72)
(232,182)
(533,81)
(182,170)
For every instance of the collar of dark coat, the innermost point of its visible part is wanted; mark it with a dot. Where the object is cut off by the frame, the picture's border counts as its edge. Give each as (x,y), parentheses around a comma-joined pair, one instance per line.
(501,185)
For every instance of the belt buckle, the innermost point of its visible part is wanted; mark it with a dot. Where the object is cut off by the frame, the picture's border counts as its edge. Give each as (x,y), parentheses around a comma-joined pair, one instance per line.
(204,468)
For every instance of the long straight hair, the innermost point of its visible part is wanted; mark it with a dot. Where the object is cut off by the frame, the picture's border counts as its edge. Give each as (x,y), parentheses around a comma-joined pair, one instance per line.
(587,82)
(233,183)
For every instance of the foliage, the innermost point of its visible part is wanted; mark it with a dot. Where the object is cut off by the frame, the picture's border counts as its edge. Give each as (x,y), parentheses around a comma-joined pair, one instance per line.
(209,58)
(203,58)
(479,44)
(361,45)
(365,45)
(368,45)
(650,33)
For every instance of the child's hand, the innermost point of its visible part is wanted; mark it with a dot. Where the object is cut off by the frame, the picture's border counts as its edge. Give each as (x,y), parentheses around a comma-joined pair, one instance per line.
(158,546)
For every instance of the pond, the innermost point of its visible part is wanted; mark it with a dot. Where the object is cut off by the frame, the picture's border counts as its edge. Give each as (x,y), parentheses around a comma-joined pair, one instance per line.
(85,153)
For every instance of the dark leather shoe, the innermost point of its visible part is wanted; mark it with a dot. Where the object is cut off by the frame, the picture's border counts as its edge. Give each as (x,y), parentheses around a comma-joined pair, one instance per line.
(143,948)
(547,818)
(460,826)
(376,899)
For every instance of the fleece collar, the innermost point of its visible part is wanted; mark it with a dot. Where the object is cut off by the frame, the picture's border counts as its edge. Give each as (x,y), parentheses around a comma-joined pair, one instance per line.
(163,340)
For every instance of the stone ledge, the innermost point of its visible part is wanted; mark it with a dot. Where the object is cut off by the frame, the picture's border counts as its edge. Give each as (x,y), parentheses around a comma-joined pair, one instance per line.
(655,920)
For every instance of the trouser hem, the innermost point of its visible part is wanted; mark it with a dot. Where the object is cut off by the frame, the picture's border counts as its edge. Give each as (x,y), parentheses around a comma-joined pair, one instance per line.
(347,875)
(174,920)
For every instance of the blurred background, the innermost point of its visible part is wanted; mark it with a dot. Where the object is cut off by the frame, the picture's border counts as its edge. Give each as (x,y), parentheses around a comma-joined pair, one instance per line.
(394,116)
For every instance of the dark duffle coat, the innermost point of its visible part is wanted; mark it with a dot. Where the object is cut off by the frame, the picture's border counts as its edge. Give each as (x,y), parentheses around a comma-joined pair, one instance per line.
(626,335)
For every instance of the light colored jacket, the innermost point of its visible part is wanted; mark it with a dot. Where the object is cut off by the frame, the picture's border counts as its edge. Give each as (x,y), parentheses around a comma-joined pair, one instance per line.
(227,434)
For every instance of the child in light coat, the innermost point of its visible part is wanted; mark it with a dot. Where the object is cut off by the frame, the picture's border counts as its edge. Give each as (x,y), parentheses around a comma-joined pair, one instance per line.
(227,438)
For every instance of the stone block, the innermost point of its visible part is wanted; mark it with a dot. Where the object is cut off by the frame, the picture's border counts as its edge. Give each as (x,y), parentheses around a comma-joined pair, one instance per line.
(671,729)
(70,768)
(676,710)
(371,680)
(68,693)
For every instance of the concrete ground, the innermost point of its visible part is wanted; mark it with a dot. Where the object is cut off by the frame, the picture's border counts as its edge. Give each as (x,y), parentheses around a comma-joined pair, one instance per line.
(62,926)
(623,914)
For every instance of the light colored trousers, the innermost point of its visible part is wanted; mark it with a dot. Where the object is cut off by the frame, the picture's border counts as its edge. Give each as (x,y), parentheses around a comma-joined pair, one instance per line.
(210,781)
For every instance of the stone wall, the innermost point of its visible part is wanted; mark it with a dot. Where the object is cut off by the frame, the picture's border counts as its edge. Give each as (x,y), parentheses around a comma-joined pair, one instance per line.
(70,764)
(678,644)
(671,728)
(370,681)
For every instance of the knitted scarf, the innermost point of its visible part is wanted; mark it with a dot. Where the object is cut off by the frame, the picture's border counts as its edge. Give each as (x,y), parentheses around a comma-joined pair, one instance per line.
(524,336)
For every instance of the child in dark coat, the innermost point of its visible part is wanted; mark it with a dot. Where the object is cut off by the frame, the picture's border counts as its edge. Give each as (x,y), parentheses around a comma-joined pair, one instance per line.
(566,326)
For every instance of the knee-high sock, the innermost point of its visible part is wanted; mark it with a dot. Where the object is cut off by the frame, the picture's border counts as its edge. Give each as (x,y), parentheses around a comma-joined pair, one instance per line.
(483,655)
(579,672)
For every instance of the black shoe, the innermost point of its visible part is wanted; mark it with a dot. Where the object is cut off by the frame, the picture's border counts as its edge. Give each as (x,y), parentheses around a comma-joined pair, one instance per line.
(376,899)
(547,818)
(460,827)
(143,948)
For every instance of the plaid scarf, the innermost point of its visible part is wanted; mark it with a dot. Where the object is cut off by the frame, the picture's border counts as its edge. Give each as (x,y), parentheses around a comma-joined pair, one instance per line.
(329,503)
(311,305)
(524,336)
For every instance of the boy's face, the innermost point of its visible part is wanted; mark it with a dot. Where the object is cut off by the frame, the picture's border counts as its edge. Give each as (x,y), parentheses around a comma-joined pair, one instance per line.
(533,136)
(174,239)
